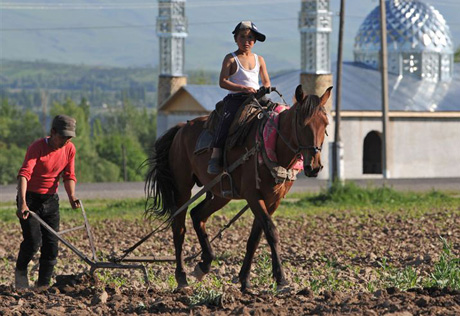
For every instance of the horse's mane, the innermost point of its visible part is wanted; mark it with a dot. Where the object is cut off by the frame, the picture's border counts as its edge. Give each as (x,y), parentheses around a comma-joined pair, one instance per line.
(309,107)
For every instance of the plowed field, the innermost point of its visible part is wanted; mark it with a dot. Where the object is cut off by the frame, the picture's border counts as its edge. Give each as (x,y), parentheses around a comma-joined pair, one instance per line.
(344,263)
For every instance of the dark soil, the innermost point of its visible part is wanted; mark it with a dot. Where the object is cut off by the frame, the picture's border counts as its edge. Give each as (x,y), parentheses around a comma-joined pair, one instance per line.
(333,262)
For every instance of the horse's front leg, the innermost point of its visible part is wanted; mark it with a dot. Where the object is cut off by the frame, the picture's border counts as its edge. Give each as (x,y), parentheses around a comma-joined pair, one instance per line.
(252,244)
(271,233)
(200,215)
(178,228)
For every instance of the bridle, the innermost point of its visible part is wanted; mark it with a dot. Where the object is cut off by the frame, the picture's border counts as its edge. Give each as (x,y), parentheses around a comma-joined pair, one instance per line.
(300,147)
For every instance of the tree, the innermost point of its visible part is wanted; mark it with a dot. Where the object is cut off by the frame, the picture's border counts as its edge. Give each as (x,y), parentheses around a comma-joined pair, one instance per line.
(123,150)
(122,138)
(18,129)
(457,56)
(87,162)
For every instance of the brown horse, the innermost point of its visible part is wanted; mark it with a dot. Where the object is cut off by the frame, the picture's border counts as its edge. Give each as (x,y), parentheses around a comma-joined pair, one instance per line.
(175,169)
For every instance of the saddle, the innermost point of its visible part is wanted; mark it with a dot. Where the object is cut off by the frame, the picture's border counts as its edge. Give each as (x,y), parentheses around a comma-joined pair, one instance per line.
(239,128)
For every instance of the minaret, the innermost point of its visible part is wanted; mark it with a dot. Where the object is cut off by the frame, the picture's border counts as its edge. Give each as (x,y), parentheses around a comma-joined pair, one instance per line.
(171,31)
(315,25)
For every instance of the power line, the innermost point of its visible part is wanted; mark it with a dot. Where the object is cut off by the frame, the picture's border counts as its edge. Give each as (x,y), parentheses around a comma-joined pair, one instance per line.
(123,6)
(109,27)
(122,26)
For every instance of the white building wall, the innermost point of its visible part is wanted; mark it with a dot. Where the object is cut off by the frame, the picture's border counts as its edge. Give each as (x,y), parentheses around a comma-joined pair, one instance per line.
(418,147)
(426,148)
(166,121)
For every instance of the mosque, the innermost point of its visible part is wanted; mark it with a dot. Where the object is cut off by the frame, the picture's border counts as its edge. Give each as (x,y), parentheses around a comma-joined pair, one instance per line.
(423,134)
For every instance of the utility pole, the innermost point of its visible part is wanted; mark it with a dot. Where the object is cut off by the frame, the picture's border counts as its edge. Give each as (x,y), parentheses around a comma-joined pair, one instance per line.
(125,167)
(384,73)
(337,150)
(44,101)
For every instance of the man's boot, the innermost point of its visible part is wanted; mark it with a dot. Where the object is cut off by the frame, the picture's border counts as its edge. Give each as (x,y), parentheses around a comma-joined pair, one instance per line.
(21,280)
(45,273)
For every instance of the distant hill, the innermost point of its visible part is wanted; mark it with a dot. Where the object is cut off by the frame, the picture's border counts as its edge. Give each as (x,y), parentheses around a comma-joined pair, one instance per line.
(59,76)
(121,33)
(24,82)
(29,84)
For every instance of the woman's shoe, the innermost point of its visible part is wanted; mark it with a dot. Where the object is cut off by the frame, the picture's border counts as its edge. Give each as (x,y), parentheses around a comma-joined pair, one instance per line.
(214,166)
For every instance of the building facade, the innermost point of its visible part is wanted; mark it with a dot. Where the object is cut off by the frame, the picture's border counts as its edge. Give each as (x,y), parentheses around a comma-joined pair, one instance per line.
(424,94)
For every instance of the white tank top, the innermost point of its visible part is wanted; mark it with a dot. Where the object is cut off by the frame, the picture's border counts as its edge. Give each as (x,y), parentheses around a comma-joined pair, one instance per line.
(245,77)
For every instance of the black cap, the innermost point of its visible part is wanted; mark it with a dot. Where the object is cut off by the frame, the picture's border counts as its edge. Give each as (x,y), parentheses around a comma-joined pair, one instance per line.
(249,25)
(64,125)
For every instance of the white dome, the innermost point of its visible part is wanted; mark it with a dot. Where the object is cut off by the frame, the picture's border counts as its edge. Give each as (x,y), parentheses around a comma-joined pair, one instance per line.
(412,25)
(416,34)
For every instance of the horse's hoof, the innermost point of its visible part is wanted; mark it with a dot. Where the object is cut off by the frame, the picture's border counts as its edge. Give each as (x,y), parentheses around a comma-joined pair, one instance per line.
(198,273)
(246,287)
(184,289)
(182,286)
(283,288)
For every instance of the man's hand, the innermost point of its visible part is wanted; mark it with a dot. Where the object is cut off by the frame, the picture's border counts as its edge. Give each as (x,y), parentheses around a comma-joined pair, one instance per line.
(74,202)
(23,212)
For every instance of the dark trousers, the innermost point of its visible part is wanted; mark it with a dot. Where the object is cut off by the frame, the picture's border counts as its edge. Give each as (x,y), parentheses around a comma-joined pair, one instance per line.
(232,103)
(35,236)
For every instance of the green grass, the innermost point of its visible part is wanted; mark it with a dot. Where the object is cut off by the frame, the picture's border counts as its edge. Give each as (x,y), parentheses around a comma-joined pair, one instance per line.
(96,210)
(356,199)
(339,197)
(445,273)
(206,296)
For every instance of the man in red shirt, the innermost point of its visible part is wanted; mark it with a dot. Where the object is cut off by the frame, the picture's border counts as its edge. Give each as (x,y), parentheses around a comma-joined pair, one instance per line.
(46,160)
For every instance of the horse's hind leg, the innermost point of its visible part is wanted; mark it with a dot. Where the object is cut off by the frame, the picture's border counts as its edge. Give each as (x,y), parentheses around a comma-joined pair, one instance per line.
(200,215)
(178,227)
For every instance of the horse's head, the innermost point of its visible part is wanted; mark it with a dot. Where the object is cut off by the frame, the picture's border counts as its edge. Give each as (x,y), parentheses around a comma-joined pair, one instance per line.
(311,122)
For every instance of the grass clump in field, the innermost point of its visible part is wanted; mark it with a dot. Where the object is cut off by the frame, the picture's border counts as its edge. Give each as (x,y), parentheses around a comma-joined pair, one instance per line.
(445,273)
(206,296)
(352,196)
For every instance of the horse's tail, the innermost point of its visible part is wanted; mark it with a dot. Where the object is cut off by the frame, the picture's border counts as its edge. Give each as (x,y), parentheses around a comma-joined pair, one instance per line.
(160,187)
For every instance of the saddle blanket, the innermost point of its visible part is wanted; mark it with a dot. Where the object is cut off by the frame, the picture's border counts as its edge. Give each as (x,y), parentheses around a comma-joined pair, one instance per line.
(270,136)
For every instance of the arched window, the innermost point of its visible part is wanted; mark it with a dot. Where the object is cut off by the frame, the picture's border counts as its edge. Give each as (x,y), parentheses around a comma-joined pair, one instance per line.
(372,153)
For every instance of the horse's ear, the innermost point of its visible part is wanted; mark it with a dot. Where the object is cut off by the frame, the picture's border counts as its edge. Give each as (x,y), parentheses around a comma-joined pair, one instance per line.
(325,96)
(299,94)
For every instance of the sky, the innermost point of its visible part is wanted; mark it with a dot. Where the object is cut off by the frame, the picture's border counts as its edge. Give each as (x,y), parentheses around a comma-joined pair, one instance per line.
(123,33)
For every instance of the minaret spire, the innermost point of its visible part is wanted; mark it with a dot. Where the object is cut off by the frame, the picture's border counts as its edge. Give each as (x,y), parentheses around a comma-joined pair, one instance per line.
(315,25)
(171,32)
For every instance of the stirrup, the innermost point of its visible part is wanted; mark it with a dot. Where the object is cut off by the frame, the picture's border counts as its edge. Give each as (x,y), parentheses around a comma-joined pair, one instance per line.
(228,194)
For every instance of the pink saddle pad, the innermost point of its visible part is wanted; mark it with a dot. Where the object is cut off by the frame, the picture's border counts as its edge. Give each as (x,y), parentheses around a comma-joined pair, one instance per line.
(270,136)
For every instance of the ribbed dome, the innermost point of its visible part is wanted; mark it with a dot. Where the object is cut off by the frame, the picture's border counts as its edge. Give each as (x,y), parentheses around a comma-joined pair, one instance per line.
(419,40)
(412,25)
